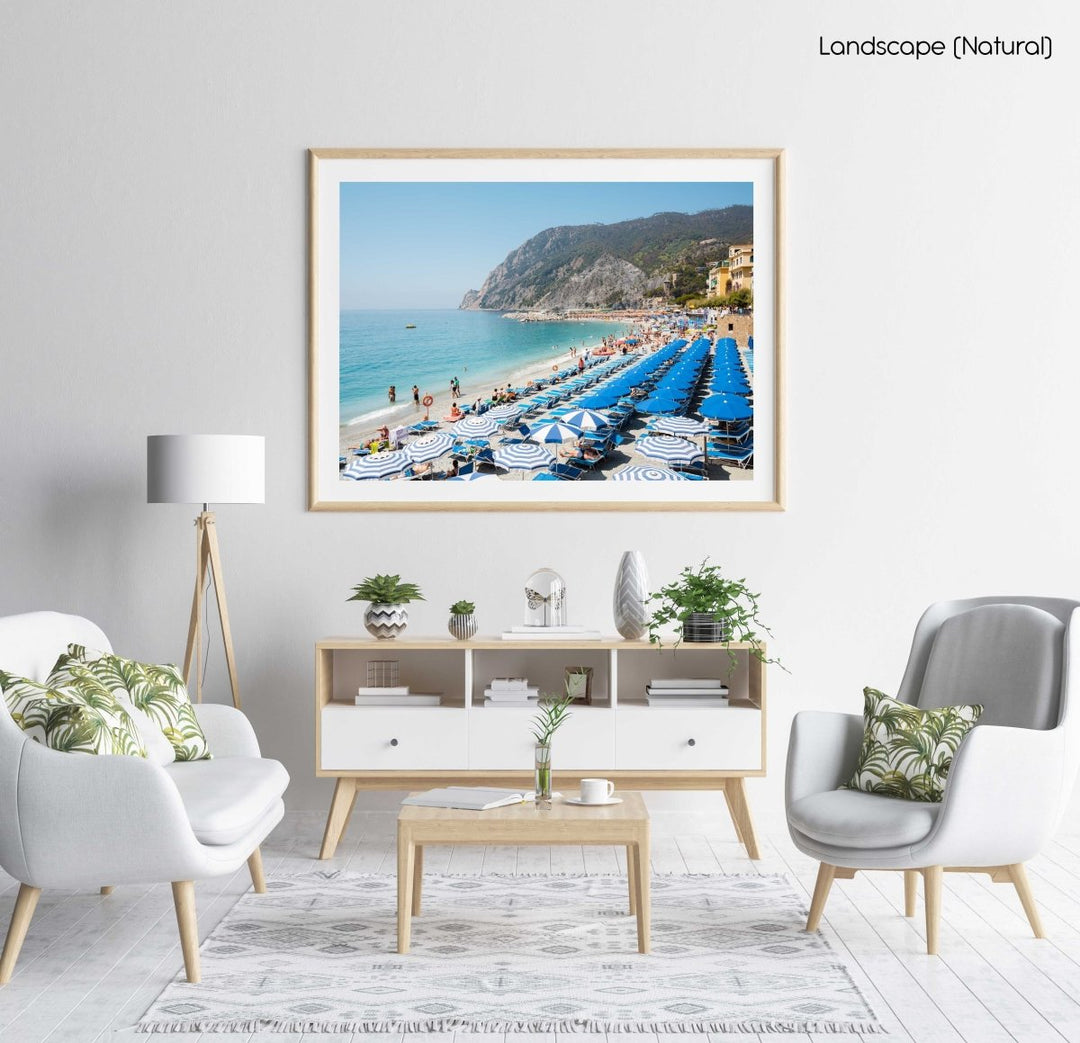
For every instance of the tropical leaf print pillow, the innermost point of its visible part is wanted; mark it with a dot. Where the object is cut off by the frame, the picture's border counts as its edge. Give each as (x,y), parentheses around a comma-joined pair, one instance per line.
(69,720)
(907,752)
(158,692)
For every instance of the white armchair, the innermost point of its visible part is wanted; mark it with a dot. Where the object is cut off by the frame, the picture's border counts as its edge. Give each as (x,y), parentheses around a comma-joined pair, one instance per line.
(71,820)
(1010,780)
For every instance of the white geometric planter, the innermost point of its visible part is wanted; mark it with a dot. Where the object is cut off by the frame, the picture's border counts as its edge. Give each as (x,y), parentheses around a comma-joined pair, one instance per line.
(386,621)
(631,591)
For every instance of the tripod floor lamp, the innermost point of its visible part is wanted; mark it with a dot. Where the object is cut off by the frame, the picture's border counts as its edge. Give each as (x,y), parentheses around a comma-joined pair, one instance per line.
(206,469)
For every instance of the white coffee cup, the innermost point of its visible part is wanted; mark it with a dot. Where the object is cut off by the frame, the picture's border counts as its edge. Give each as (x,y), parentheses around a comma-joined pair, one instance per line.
(596,791)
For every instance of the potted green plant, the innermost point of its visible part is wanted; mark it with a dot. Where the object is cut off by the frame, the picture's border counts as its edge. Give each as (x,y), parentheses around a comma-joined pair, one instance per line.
(551,714)
(706,605)
(462,623)
(386,615)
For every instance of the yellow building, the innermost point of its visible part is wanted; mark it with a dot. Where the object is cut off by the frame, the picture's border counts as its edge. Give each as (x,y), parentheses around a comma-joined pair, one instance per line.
(719,280)
(741,266)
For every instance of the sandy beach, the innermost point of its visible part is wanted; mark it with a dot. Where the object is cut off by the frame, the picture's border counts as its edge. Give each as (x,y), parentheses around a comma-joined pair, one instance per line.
(623,453)
(404,412)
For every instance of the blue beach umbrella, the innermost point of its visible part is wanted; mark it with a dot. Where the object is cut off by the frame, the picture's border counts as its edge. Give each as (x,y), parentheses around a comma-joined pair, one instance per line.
(642,473)
(430,447)
(660,404)
(725,407)
(669,449)
(476,426)
(377,465)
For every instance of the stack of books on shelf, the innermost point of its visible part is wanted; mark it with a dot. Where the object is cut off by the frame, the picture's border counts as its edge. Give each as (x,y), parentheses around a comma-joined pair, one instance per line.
(686,691)
(560,633)
(511,691)
(394,695)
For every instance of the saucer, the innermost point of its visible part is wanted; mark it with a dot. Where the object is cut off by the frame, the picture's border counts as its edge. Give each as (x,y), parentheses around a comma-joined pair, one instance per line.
(593,803)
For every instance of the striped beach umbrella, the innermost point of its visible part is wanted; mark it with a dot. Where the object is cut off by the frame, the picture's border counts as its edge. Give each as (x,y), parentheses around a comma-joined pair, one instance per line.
(377,465)
(587,419)
(553,431)
(430,447)
(522,457)
(473,476)
(504,413)
(475,427)
(642,473)
(680,425)
(669,449)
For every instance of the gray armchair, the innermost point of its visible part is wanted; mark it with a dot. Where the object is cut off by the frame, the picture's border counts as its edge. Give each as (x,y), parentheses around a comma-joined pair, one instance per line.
(1009,782)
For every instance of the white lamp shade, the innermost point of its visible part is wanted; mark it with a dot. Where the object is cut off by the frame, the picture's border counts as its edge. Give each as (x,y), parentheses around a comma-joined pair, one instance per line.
(205,469)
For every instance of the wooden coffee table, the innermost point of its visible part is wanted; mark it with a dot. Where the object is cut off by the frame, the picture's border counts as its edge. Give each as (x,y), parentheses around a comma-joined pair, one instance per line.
(625,824)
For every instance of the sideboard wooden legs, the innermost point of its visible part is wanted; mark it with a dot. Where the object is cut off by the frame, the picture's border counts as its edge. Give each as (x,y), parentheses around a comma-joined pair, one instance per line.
(735,795)
(340,810)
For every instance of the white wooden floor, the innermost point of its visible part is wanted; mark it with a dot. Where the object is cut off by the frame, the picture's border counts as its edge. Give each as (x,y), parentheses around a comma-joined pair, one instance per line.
(91,965)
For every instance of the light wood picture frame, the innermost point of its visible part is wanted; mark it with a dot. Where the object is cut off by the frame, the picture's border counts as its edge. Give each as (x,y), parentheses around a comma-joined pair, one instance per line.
(634,288)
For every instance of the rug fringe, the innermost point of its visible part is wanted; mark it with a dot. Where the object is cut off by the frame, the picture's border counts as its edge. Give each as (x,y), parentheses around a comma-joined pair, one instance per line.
(535,1025)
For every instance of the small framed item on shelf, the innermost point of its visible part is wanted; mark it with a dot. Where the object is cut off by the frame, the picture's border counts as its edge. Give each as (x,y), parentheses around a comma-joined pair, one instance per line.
(579,684)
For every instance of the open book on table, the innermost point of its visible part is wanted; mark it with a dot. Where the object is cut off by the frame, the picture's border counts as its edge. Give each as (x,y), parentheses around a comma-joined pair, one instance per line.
(469,798)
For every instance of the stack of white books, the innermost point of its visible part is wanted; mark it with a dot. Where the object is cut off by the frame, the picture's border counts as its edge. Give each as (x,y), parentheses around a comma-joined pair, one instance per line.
(560,633)
(394,695)
(686,691)
(511,691)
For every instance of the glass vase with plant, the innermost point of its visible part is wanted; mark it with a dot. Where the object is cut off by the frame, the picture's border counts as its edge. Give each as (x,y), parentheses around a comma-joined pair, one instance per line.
(386,615)
(706,605)
(551,715)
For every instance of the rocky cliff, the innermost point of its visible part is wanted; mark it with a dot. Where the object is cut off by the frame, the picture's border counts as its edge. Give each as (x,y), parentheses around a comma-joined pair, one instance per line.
(611,266)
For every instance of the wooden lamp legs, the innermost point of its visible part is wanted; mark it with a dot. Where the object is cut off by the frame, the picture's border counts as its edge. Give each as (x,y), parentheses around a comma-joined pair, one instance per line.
(208,561)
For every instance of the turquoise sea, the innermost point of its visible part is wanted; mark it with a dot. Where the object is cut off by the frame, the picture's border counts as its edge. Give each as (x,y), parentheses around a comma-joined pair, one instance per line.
(481,349)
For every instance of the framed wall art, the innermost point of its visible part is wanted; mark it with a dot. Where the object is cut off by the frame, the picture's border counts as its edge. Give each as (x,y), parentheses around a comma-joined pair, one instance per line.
(546,329)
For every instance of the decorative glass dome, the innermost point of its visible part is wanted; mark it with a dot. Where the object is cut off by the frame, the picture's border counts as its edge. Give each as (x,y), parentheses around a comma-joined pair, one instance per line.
(545,599)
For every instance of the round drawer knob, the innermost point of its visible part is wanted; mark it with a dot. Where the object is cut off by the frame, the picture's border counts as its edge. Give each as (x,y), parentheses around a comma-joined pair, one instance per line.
(691,742)
(393,742)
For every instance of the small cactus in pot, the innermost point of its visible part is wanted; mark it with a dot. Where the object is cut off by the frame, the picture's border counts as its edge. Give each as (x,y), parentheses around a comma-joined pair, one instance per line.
(462,623)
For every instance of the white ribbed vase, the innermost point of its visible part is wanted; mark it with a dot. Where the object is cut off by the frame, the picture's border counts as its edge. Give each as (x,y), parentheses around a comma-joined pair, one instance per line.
(631,590)
(386,621)
(462,625)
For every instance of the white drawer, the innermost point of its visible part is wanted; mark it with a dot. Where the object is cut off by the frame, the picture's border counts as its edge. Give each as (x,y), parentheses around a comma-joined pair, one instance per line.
(720,739)
(501,740)
(359,738)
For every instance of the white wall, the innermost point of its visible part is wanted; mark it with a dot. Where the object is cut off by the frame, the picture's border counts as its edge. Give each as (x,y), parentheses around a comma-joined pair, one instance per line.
(152,278)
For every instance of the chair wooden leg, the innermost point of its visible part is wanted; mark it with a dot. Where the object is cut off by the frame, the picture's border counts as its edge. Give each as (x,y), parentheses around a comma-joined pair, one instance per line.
(825,875)
(107,889)
(184,900)
(21,916)
(255,867)
(911,887)
(1018,875)
(932,876)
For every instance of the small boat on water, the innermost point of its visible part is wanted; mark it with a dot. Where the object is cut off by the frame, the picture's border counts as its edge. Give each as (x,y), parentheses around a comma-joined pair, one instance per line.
(410,325)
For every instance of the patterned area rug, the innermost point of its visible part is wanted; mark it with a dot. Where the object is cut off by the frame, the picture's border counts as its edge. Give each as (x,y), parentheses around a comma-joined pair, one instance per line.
(516,953)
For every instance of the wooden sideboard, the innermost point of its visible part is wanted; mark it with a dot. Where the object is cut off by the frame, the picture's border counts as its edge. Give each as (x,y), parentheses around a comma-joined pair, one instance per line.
(464,742)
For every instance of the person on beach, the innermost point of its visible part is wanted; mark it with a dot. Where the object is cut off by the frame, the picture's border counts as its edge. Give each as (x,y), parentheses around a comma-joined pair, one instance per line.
(454,414)
(392,394)
(416,396)
(581,364)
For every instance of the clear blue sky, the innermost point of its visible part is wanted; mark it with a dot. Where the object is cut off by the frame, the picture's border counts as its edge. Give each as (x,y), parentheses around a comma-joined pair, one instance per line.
(423,244)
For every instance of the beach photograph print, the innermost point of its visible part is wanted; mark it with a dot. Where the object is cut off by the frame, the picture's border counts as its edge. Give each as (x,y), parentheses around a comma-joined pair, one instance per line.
(503,332)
